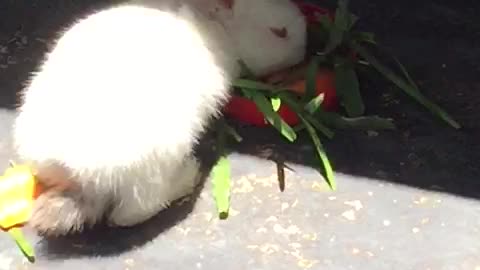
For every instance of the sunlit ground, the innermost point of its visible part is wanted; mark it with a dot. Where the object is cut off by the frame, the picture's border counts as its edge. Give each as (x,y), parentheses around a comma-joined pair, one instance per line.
(366,224)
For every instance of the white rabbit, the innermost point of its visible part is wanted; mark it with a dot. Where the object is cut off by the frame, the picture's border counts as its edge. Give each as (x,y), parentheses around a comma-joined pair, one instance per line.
(269,35)
(199,13)
(110,119)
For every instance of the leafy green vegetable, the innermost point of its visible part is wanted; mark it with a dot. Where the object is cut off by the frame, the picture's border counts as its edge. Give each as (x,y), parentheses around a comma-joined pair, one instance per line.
(338,31)
(358,123)
(335,35)
(221,185)
(326,22)
(321,153)
(405,73)
(311,76)
(297,108)
(230,130)
(318,125)
(314,104)
(254,85)
(364,37)
(347,87)
(344,20)
(22,243)
(221,174)
(408,88)
(276,103)
(272,117)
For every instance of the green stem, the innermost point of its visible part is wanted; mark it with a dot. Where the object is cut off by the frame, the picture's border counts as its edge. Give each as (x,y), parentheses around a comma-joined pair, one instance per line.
(22,243)
(406,87)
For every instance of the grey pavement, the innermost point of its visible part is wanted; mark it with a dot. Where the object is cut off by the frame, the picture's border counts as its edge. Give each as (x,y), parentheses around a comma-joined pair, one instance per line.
(366,224)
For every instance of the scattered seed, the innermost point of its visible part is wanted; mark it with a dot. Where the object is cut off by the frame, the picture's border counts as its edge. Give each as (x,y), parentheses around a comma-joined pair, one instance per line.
(356,204)
(349,215)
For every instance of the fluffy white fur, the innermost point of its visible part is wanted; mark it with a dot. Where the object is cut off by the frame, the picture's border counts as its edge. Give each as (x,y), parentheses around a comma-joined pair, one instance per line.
(7,118)
(250,24)
(116,109)
(111,117)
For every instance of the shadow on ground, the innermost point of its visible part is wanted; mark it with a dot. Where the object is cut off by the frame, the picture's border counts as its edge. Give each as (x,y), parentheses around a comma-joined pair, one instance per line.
(106,241)
(438,41)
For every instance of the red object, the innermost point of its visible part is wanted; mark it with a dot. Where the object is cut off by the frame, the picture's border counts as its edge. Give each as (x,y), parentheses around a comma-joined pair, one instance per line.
(312,11)
(245,110)
(324,84)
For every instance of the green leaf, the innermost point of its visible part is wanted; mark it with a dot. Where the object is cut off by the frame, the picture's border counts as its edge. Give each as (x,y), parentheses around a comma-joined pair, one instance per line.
(319,126)
(335,35)
(221,174)
(402,67)
(357,123)
(347,87)
(364,37)
(230,130)
(313,105)
(254,85)
(341,15)
(405,73)
(344,20)
(297,108)
(221,185)
(22,243)
(272,117)
(352,20)
(338,31)
(276,103)
(311,79)
(326,22)
(299,127)
(408,88)
(335,38)
(321,153)
(317,36)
